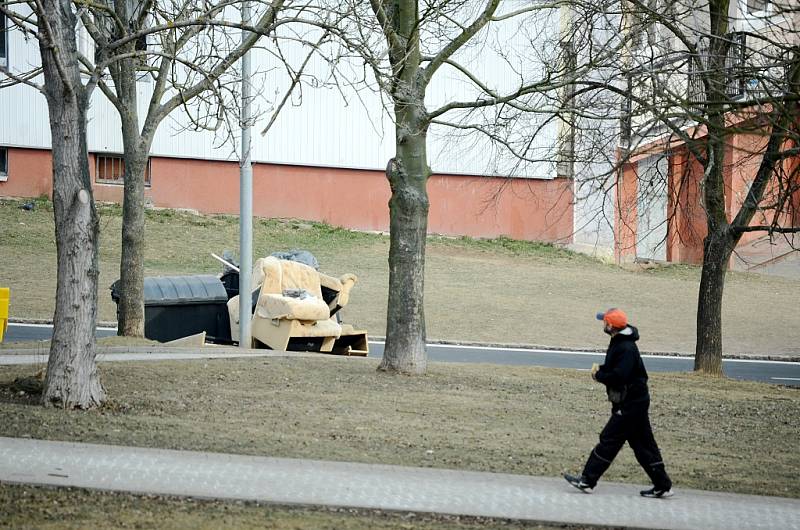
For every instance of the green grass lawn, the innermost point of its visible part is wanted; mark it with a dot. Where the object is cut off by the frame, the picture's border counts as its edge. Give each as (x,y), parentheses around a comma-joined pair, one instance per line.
(498,291)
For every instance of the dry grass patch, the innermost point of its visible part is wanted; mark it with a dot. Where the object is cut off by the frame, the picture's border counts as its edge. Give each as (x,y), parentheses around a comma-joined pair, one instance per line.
(42,347)
(715,434)
(27,507)
(500,291)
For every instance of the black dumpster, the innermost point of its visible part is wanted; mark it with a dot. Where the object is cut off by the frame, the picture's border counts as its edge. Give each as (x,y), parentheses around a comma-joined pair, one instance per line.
(179,306)
(231,282)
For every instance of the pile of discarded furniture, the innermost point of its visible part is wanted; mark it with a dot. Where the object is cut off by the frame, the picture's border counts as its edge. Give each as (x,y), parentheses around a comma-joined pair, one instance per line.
(294,308)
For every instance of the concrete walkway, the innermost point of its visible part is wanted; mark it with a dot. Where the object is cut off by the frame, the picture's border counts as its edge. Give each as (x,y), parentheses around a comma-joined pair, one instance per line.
(154,353)
(288,481)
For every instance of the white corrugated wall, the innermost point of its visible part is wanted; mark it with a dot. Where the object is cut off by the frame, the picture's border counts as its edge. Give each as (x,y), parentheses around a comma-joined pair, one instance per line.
(317,128)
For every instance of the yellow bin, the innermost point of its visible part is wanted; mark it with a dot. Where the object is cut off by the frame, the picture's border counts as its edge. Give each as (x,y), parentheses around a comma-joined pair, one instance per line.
(5,294)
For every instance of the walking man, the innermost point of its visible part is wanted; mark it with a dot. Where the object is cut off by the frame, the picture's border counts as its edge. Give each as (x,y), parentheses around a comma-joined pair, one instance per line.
(625,378)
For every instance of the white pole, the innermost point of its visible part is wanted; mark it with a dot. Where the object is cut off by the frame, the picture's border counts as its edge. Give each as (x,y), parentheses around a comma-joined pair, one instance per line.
(225,262)
(245,199)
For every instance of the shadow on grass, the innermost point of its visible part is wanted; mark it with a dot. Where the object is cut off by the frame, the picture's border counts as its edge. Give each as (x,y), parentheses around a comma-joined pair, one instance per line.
(26,390)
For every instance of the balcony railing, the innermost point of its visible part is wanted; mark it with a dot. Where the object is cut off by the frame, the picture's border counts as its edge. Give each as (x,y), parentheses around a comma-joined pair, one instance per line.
(752,70)
(735,68)
(752,73)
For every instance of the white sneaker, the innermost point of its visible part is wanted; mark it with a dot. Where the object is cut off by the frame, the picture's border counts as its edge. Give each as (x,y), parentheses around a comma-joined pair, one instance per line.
(579,483)
(654,493)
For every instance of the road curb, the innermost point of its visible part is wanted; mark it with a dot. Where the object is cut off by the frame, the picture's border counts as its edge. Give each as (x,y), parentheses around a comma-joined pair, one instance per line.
(519,346)
(49,322)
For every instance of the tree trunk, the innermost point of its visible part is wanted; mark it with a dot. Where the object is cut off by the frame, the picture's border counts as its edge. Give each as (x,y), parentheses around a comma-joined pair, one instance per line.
(130,311)
(72,380)
(717,251)
(408,173)
(719,243)
(131,266)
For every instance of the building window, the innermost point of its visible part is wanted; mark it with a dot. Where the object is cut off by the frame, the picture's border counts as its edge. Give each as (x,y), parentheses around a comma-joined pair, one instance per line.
(3,163)
(110,169)
(645,24)
(757,6)
(3,42)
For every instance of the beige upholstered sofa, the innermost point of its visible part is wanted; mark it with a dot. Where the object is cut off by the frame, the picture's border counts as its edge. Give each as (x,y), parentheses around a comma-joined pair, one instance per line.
(291,312)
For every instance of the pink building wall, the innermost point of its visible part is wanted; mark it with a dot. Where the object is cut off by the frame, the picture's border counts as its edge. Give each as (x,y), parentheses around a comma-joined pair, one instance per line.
(357,199)
(687,228)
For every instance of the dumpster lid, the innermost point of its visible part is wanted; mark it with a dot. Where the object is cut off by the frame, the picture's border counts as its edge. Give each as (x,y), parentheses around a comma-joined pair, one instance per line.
(170,290)
(197,289)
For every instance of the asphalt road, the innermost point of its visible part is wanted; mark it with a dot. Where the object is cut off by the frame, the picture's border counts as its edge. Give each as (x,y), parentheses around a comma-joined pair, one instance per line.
(776,372)
(32,332)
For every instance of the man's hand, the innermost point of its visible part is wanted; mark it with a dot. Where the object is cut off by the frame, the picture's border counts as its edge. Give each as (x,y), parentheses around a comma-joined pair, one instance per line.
(595,368)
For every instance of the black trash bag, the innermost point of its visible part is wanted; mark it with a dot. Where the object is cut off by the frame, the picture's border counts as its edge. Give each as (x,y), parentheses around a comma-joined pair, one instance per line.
(229,256)
(300,256)
(230,277)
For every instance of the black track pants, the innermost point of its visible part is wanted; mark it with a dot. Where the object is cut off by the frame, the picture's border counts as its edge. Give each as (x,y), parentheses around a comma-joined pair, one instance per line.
(634,428)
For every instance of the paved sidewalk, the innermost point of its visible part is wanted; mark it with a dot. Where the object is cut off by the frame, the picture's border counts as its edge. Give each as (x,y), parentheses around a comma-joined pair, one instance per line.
(289,481)
(156,353)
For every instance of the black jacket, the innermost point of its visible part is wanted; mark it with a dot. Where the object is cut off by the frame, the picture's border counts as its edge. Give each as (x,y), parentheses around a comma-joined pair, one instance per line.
(623,371)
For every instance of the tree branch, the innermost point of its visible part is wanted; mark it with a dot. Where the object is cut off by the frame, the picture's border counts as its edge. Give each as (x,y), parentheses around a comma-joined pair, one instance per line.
(765,228)
(22,80)
(295,81)
(112,97)
(777,138)
(454,45)
(48,43)
(386,24)
(266,22)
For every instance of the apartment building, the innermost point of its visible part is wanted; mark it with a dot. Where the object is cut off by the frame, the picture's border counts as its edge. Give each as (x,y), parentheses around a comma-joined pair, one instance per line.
(659,205)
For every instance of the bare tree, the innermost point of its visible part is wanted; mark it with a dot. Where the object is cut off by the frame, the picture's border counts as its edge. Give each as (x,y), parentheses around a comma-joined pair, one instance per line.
(185,49)
(668,101)
(711,89)
(69,80)
(72,380)
(405,46)
(741,85)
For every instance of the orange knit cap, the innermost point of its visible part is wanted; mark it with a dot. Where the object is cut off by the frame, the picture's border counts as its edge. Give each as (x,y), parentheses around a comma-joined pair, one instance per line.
(616,318)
